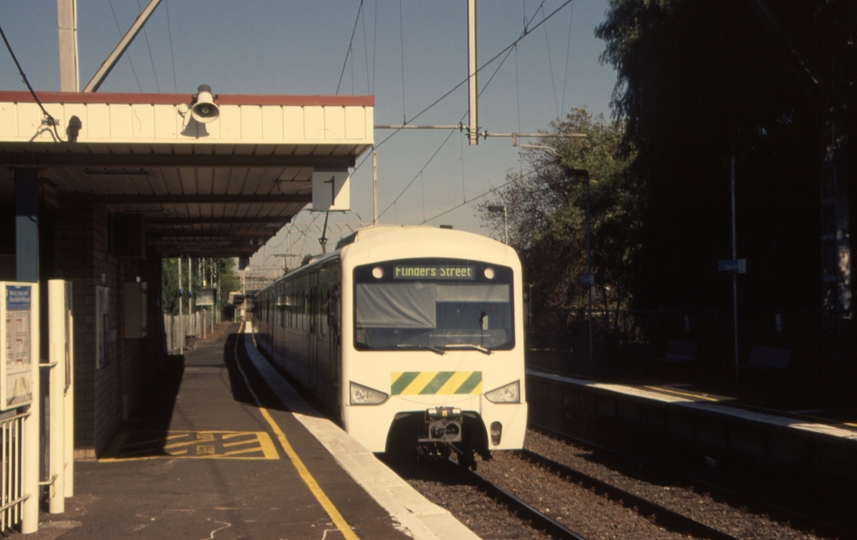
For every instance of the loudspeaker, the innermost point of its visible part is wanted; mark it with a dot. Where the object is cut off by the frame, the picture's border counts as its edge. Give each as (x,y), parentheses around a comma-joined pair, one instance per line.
(204,110)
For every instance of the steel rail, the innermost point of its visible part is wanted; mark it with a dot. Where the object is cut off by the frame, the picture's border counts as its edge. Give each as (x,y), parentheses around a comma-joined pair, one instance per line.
(539,520)
(777,513)
(669,519)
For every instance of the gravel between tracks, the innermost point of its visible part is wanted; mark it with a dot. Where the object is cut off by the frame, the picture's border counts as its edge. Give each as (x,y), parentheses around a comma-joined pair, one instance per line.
(590,514)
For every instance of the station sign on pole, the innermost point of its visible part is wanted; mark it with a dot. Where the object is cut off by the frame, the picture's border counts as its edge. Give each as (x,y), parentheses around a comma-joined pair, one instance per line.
(732,266)
(18,336)
(19,381)
(206,297)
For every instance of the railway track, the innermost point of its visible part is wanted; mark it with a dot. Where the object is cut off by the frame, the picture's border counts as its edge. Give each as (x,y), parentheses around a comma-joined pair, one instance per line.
(538,520)
(608,512)
(647,511)
(529,494)
(666,518)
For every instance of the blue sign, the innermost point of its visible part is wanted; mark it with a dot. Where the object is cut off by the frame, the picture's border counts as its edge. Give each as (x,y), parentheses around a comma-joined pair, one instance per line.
(18,298)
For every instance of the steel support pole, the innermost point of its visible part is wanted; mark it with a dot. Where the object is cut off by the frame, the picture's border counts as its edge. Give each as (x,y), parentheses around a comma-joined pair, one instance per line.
(589,265)
(471,72)
(26,225)
(734,274)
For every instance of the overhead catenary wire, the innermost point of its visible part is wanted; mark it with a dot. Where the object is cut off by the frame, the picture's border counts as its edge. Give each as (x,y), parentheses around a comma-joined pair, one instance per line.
(149,48)
(567,56)
(452,130)
(170,40)
(374,48)
(119,29)
(507,50)
(402,55)
(550,68)
(350,48)
(463,82)
(51,120)
(366,54)
(518,178)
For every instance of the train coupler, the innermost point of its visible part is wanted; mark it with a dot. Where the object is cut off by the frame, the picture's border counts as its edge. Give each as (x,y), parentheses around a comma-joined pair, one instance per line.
(443,425)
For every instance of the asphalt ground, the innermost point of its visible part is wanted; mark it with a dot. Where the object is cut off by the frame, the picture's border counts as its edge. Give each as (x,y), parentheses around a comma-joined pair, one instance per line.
(209,458)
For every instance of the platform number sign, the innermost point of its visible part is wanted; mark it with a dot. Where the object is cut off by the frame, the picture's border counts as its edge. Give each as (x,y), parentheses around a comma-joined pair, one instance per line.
(16,380)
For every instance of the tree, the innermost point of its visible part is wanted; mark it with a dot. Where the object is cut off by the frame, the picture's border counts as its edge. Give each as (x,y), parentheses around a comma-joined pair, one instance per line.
(172,291)
(698,84)
(546,210)
(758,84)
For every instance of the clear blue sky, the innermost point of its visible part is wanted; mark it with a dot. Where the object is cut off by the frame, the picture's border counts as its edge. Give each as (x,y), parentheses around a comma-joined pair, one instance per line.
(406,53)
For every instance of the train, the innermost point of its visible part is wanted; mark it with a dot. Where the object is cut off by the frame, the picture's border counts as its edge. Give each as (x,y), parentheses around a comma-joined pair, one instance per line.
(412,336)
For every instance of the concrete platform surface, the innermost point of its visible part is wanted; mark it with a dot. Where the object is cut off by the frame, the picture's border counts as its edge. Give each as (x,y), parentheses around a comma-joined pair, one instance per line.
(226,449)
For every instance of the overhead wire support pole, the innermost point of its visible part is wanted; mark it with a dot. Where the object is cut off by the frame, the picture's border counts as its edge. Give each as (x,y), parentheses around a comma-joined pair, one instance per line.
(374,187)
(472,70)
(67,40)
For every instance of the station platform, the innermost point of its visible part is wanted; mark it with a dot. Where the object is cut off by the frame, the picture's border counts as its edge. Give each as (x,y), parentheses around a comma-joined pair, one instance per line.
(763,391)
(226,449)
(766,423)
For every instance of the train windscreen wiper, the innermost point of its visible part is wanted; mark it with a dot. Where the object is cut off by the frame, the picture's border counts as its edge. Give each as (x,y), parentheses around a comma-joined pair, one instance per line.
(417,346)
(479,348)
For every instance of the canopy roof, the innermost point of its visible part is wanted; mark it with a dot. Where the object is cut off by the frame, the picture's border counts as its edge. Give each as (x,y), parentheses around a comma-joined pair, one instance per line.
(215,189)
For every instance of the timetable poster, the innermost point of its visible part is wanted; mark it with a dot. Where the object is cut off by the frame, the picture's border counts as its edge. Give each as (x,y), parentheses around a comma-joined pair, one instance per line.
(19,369)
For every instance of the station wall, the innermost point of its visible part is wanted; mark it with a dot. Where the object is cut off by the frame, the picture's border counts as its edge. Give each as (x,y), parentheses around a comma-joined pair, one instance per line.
(73,245)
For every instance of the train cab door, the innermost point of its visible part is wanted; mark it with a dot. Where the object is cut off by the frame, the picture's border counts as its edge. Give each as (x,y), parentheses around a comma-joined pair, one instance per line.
(313,330)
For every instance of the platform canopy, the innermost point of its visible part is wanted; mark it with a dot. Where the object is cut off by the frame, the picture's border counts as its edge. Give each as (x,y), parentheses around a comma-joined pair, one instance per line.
(218,187)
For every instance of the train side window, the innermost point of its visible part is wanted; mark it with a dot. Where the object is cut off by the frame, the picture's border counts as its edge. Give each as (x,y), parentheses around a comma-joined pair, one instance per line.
(333,307)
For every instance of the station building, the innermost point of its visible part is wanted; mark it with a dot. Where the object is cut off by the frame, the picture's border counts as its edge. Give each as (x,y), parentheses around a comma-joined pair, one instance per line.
(97,189)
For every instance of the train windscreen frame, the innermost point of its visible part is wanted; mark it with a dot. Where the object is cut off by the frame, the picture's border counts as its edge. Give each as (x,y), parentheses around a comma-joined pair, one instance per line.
(434,304)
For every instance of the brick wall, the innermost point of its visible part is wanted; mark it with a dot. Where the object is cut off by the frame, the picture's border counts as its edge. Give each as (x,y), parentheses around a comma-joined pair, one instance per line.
(103,396)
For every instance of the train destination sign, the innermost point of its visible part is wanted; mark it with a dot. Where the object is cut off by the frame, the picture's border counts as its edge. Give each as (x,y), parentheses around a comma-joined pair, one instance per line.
(434,271)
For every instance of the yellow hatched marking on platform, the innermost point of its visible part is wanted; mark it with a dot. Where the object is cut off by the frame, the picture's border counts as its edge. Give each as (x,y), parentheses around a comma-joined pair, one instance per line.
(192,445)
(148,442)
(303,472)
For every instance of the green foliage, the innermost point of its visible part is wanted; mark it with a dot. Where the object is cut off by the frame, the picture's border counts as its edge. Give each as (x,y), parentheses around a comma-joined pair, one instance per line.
(547,211)
(700,83)
(223,271)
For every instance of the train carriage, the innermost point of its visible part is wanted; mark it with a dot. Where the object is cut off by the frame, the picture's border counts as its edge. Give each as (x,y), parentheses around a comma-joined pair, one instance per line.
(414,335)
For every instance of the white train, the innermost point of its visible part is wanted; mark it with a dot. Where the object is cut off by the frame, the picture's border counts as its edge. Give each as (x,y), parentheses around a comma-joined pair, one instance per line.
(413,334)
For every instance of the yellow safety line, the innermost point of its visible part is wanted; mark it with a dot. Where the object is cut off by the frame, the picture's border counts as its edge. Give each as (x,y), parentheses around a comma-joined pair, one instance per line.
(304,473)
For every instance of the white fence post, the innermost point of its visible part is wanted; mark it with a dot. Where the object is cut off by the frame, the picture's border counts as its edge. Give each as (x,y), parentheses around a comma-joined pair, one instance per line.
(68,392)
(59,361)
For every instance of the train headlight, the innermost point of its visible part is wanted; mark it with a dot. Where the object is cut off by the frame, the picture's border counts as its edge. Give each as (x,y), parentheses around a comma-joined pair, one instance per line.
(511,393)
(363,395)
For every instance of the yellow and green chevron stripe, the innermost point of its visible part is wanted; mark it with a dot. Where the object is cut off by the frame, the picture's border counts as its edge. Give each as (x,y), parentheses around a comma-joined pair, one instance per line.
(412,383)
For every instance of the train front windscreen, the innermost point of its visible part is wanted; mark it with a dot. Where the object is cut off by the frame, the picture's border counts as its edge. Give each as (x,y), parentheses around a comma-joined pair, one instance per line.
(433,304)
